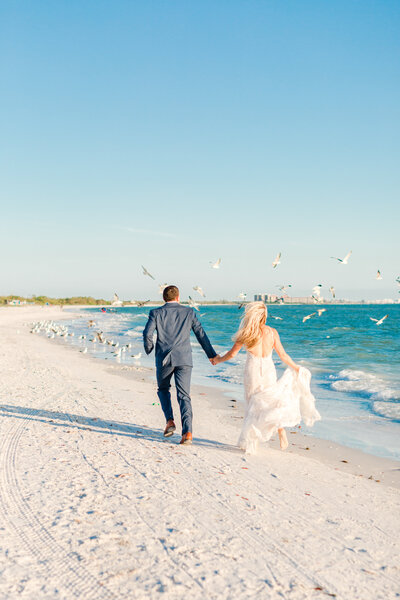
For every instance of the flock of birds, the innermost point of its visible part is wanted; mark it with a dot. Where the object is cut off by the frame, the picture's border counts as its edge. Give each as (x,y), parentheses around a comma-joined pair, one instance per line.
(214,265)
(316,290)
(52,330)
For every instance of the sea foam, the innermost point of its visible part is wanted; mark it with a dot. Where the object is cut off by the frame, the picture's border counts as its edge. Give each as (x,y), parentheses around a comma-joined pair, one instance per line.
(385,400)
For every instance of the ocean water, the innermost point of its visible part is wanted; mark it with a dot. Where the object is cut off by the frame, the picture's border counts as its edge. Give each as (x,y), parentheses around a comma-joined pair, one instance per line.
(355,364)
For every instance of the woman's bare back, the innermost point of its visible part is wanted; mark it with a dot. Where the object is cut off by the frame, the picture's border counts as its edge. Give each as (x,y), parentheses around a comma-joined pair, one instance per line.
(265,345)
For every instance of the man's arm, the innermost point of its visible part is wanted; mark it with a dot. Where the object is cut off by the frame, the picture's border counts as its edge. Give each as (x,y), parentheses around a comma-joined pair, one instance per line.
(202,337)
(148,333)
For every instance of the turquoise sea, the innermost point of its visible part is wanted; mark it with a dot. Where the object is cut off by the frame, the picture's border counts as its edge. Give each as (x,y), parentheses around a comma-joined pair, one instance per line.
(354,362)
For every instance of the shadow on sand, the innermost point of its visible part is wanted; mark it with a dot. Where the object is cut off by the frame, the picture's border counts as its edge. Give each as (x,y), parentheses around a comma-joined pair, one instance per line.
(99,425)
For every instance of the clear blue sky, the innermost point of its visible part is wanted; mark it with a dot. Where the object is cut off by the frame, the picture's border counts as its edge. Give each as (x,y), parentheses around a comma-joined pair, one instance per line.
(171,133)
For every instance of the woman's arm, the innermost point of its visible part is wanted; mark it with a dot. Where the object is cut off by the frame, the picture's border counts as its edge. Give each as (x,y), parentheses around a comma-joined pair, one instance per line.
(232,352)
(279,349)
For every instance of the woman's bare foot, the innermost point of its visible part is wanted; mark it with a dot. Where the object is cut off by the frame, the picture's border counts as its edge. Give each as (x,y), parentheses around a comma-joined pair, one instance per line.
(283,439)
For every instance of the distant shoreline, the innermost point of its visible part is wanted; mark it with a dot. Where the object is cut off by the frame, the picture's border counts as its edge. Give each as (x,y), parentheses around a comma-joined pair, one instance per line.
(156,303)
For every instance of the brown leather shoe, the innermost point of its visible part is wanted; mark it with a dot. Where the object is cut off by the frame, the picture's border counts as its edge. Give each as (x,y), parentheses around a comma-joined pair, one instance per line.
(169,428)
(186,439)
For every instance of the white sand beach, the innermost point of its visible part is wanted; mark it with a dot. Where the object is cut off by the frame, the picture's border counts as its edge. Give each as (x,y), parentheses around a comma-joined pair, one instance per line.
(95,503)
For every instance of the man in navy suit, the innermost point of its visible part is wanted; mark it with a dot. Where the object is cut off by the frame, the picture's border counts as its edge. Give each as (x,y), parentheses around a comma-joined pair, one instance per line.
(173,324)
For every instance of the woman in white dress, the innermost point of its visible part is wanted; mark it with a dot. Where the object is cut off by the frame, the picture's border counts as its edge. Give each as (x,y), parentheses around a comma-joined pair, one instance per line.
(271,404)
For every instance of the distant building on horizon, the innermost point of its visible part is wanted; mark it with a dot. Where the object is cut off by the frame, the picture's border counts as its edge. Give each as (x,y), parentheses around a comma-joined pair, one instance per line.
(284,299)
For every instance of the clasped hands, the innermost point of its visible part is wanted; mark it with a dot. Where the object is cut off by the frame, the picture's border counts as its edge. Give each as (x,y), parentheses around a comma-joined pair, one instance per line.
(214,361)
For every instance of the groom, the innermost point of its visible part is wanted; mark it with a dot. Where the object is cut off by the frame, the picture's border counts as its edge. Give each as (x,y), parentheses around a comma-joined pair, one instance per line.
(173,324)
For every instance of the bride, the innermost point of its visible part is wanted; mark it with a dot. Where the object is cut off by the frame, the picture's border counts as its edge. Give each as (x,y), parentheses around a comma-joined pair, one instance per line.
(271,404)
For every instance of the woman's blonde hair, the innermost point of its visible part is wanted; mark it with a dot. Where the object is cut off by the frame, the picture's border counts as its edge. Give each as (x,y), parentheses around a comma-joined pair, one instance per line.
(251,326)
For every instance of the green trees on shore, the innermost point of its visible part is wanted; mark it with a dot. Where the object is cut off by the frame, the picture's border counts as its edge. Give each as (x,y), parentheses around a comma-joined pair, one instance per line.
(59,301)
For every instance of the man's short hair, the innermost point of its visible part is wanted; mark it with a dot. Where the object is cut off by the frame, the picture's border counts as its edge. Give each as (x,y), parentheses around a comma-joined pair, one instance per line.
(171,292)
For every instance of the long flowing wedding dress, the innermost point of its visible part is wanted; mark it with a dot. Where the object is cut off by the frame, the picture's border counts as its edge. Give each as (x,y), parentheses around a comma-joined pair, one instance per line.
(273,403)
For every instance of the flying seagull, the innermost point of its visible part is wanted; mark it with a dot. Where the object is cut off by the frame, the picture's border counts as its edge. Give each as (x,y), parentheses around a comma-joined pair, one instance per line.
(277,318)
(116,301)
(320,311)
(283,288)
(140,303)
(216,264)
(197,288)
(162,287)
(277,260)
(100,336)
(316,295)
(344,260)
(193,303)
(308,316)
(379,321)
(398,280)
(317,289)
(242,297)
(378,275)
(332,291)
(145,272)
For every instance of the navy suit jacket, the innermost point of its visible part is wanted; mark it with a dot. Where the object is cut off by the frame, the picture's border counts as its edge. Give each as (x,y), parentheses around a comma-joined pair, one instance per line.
(173,323)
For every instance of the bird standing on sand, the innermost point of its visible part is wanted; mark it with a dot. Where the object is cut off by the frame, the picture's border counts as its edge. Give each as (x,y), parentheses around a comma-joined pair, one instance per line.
(198,289)
(277,260)
(344,260)
(379,321)
(145,272)
(140,303)
(216,264)
(378,275)
(308,316)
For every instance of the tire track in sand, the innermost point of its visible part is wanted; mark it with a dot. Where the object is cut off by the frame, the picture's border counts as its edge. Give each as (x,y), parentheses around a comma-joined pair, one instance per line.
(51,557)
